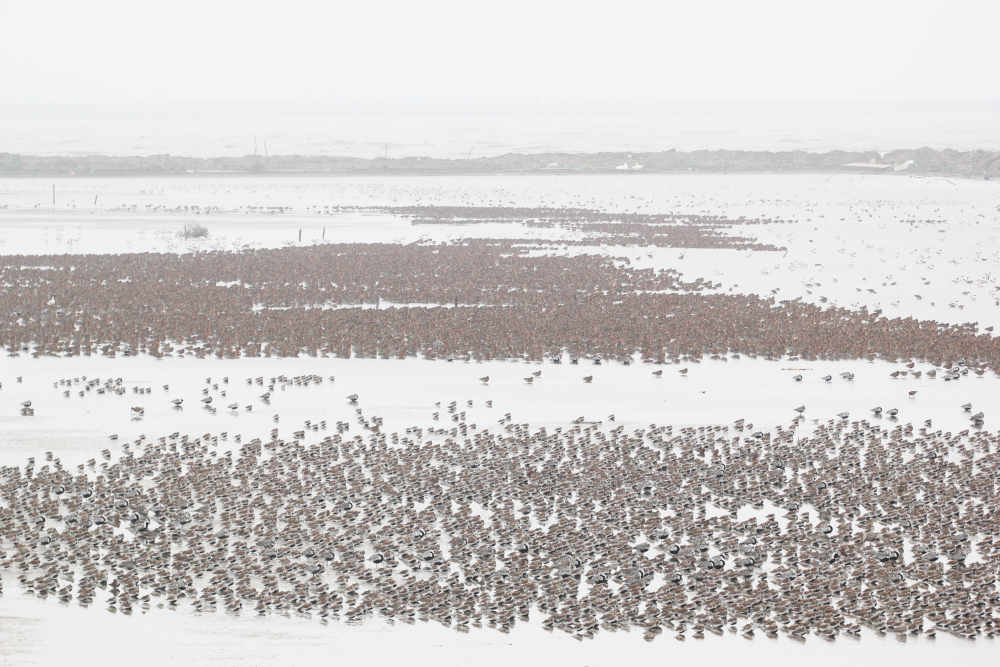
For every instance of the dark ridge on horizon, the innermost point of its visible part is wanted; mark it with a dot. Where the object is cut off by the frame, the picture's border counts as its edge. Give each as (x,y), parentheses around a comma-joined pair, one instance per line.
(922,161)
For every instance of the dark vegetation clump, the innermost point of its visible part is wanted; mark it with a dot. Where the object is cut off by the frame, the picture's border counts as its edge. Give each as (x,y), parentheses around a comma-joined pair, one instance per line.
(195,232)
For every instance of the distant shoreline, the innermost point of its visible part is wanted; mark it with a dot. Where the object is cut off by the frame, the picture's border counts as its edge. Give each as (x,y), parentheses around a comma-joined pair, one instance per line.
(923,161)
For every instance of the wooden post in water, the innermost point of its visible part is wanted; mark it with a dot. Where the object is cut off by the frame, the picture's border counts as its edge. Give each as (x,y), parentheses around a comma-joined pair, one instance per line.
(300,236)
(324,233)
(53,195)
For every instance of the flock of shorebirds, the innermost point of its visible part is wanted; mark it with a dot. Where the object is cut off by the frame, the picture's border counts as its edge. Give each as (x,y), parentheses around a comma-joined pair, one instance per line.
(584,527)
(591,227)
(479,299)
(116,386)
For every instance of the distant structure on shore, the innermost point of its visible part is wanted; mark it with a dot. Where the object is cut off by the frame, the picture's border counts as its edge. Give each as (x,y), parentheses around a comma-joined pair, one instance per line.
(872,165)
(629,165)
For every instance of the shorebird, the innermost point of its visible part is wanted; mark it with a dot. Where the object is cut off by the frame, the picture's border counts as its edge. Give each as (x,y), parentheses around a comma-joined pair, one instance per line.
(800,409)
(913,393)
(844,415)
(537,373)
(529,379)
(827,377)
(588,378)
(657,373)
(207,400)
(967,407)
(484,379)
(234,406)
(797,378)
(892,412)
(683,371)
(177,402)
(877,410)
(353,398)
(26,404)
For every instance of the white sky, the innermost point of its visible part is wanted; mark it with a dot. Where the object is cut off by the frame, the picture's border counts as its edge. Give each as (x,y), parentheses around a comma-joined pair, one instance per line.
(206,55)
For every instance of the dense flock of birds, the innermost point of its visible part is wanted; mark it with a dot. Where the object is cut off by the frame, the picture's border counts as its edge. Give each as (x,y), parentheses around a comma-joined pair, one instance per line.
(588,528)
(591,227)
(583,528)
(502,303)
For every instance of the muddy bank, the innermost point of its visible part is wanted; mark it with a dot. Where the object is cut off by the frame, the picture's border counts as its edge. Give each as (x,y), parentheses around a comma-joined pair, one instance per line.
(923,161)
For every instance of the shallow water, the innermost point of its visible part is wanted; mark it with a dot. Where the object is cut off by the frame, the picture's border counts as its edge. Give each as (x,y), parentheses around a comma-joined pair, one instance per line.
(162,637)
(957,255)
(404,393)
(845,234)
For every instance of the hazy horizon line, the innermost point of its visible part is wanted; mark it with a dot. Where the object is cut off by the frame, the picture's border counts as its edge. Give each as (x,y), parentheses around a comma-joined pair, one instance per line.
(313,109)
